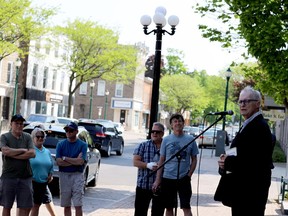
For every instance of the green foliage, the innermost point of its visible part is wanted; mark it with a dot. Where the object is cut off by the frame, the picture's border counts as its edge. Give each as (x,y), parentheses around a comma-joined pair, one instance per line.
(20,23)
(175,64)
(278,154)
(261,26)
(182,93)
(93,52)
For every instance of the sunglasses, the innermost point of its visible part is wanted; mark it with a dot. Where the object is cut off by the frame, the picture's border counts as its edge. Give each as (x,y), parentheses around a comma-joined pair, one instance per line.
(38,137)
(69,130)
(156,131)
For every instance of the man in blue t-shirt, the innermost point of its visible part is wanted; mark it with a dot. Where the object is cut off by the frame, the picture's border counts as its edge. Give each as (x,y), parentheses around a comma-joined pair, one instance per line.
(70,156)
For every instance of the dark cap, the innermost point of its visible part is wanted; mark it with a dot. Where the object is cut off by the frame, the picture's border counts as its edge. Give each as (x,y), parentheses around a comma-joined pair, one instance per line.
(72,125)
(17,117)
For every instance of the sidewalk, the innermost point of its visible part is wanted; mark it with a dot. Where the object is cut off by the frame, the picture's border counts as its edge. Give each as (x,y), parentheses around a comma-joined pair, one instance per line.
(204,183)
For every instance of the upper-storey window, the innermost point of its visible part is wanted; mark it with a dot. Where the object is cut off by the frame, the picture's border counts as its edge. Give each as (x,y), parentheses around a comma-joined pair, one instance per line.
(34,75)
(45,77)
(119,90)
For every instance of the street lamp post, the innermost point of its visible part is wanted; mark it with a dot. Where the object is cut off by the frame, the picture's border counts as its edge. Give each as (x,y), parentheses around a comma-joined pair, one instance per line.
(106,103)
(228,75)
(92,84)
(17,64)
(160,21)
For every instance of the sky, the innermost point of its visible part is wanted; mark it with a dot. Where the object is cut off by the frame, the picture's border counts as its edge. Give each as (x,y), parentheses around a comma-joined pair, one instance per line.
(124,16)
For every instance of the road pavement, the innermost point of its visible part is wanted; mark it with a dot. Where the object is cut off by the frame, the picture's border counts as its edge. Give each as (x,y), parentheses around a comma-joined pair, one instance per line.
(120,197)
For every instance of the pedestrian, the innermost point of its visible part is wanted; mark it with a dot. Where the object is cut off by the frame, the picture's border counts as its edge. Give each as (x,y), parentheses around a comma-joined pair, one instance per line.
(42,167)
(175,176)
(16,179)
(146,157)
(251,161)
(71,156)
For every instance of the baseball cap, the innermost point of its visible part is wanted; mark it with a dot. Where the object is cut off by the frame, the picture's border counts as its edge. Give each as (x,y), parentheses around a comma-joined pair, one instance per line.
(17,117)
(72,125)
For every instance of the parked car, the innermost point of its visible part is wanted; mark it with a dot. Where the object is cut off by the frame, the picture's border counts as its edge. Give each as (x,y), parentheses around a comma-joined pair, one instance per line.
(41,118)
(65,120)
(191,130)
(208,138)
(56,133)
(105,136)
(119,126)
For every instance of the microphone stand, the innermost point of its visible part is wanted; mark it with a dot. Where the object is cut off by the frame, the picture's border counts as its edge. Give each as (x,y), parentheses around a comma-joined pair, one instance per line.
(178,155)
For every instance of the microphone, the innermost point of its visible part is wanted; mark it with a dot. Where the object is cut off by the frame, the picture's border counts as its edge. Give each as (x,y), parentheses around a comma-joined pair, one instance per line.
(228,112)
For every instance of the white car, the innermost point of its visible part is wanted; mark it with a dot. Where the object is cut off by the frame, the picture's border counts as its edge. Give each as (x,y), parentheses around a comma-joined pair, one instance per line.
(119,126)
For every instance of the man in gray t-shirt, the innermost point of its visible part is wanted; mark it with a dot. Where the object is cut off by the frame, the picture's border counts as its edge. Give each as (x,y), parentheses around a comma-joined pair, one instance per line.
(16,179)
(167,176)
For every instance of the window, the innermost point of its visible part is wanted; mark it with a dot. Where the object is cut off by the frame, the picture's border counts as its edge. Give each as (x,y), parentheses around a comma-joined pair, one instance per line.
(54,78)
(5,110)
(9,72)
(41,108)
(62,83)
(34,74)
(101,88)
(45,77)
(56,52)
(37,45)
(47,47)
(83,89)
(119,90)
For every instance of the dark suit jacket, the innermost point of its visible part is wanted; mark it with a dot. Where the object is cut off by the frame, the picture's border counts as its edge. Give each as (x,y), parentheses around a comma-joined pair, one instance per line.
(252,165)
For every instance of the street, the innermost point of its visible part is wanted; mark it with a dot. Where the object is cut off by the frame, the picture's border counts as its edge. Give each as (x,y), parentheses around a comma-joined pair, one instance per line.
(117,180)
(114,193)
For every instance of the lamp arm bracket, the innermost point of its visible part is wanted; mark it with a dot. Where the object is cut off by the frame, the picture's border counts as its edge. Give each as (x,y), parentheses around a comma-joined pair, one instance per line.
(146,31)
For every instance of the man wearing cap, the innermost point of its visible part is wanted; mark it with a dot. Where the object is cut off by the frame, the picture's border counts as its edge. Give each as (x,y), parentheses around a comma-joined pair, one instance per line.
(16,179)
(70,157)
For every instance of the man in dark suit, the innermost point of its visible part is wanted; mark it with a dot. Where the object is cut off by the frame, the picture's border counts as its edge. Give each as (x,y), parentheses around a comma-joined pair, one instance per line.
(251,161)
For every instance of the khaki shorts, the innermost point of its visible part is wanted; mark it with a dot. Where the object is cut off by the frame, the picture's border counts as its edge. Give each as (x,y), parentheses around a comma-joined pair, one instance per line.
(71,188)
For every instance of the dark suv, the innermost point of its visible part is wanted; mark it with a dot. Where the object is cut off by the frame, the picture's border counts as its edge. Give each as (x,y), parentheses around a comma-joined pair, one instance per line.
(105,136)
(56,133)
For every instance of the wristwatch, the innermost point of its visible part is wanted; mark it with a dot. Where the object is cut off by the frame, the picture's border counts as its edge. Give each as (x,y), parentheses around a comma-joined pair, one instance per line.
(63,158)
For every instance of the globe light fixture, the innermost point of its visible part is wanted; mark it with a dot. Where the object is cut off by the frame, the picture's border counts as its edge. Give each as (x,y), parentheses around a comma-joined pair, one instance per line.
(160,21)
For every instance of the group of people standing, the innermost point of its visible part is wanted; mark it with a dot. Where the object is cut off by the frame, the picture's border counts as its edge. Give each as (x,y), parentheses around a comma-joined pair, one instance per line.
(28,169)
(166,164)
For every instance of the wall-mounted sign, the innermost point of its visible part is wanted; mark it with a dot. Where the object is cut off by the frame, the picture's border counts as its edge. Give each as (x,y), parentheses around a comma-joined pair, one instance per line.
(274,115)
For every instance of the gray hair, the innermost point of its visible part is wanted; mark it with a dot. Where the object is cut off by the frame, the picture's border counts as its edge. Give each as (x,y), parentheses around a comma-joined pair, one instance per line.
(256,95)
(37,129)
(159,125)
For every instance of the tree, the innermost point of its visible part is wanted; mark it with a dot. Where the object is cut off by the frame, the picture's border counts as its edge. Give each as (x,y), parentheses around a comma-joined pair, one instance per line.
(175,64)
(20,23)
(263,24)
(93,52)
(182,93)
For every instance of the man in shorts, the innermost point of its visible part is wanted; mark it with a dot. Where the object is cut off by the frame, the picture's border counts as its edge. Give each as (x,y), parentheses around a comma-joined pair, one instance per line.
(71,156)
(172,180)
(16,179)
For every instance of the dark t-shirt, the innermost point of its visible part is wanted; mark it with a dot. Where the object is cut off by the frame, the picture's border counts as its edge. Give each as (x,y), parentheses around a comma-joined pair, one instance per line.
(16,168)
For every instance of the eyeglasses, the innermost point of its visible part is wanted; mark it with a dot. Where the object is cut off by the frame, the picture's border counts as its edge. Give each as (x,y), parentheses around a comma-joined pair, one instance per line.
(245,102)
(156,131)
(69,130)
(38,137)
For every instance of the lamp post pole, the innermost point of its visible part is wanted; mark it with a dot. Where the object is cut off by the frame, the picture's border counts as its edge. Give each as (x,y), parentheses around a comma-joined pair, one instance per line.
(18,64)
(228,75)
(106,103)
(160,21)
(92,84)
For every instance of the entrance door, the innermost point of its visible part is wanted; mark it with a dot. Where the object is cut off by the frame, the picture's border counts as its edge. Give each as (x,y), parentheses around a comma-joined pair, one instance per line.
(122,116)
